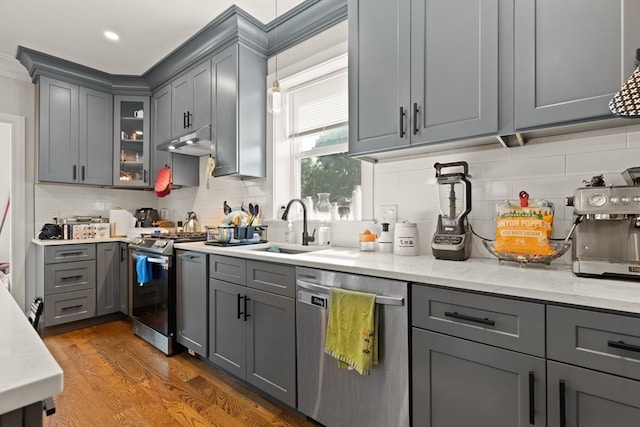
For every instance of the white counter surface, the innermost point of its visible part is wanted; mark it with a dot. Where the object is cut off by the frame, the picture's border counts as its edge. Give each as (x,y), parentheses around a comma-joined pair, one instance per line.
(555,284)
(56,242)
(28,372)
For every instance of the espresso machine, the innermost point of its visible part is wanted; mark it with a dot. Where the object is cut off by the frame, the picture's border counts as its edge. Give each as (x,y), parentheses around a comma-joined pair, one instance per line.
(452,239)
(606,240)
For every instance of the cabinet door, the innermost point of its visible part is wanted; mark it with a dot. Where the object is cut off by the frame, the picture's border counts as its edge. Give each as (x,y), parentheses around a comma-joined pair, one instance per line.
(96,137)
(580,397)
(58,146)
(224,72)
(131,138)
(124,280)
(379,63)
(271,345)
(201,105)
(454,69)
(181,104)
(107,278)
(227,327)
(161,117)
(191,300)
(567,73)
(462,383)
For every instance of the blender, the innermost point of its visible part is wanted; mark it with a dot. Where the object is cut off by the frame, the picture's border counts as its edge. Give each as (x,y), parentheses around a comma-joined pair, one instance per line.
(452,239)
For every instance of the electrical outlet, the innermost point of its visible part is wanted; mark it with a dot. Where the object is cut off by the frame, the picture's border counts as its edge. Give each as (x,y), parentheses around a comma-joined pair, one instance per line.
(388,213)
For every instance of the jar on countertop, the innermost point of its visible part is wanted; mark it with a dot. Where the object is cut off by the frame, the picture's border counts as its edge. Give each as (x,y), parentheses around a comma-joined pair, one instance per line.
(406,239)
(367,241)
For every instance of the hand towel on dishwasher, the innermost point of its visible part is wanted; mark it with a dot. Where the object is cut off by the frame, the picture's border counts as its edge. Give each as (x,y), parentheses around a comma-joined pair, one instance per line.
(352,335)
(143,269)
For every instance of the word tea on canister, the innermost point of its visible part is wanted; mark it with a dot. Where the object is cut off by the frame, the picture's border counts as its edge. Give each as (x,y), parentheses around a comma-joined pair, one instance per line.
(406,239)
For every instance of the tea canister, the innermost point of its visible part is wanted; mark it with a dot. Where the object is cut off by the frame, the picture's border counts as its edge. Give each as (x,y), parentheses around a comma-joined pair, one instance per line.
(406,239)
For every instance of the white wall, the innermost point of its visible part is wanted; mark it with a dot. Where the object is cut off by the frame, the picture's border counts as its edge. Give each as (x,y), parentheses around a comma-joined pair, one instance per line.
(5,191)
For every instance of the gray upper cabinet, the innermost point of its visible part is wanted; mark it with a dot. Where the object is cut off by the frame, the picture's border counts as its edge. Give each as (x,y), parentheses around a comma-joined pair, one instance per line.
(379,66)
(439,77)
(131,141)
(191,97)
(454,69)
(76,126)
(238,126)
(567,73)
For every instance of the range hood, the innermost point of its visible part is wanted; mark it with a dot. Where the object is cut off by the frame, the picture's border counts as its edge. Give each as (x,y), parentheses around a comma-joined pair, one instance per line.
(196,143)
(626,103)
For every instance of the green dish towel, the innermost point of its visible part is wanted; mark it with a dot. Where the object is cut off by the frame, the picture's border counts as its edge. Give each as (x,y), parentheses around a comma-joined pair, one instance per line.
(352,336)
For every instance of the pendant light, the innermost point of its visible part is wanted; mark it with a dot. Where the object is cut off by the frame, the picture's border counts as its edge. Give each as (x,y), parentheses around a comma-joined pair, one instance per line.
(626,103)
(274,95)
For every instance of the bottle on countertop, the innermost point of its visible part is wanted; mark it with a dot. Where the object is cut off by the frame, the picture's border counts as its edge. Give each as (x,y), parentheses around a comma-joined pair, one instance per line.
(356,203)
(385,241)
(65,230)
(289,234)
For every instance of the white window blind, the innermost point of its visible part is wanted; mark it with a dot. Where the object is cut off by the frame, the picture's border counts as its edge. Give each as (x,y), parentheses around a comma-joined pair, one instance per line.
(318,105)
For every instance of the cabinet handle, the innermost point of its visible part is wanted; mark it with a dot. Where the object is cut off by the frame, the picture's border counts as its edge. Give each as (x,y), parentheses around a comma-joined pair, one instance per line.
(73,307)
(532,399)
(456,315)
(71,277)
(75,172)
(66,254)
(416,110)
(184,120)
(246,303)
(623,346)
(189,115)
(123,254)
(144,179)
(83,173)
(239,309)
(563,406)
(402,114)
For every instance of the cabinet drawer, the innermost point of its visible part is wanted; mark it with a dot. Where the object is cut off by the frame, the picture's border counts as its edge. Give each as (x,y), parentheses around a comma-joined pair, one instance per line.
(70,276)
(601,341)
(276,278)
(229,269)
(511,324)
(68,253)
(69,307)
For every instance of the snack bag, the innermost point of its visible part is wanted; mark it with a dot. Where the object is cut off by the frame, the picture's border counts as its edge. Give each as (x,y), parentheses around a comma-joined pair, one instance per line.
(524,226)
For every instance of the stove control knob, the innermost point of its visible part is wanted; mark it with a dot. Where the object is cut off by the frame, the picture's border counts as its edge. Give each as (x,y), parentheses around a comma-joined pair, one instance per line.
(636,199)
(624,200)
(615,200)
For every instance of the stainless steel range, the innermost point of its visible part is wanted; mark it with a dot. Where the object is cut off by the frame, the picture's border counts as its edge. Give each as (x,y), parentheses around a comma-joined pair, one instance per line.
(152,280)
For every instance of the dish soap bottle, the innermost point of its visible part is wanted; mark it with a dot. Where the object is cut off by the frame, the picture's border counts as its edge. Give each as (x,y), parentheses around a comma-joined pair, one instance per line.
(289,235)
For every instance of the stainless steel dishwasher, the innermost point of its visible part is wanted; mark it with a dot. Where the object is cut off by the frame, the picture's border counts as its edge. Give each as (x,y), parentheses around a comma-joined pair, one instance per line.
(340,397)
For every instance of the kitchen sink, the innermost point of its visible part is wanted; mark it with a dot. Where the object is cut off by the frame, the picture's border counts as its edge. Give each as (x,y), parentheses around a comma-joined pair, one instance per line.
(285,250)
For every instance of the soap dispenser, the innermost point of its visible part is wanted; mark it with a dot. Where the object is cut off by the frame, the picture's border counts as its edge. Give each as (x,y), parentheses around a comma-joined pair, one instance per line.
(289,235)
(385,241)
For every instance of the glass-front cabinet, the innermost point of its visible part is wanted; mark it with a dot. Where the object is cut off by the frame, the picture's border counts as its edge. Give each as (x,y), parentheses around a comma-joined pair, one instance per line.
(131,141)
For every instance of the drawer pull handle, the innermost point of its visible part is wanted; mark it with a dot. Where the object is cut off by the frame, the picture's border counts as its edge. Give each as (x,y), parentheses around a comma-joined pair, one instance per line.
(65,254)
(624,346)
(457,315)
(563,406)
(72,277)
(73,307)
(532,398)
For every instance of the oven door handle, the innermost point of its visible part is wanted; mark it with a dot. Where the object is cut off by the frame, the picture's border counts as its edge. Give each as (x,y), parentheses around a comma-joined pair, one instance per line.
(164,262)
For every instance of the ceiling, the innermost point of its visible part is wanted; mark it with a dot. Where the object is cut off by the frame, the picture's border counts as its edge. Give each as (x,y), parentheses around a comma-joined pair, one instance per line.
(148,29)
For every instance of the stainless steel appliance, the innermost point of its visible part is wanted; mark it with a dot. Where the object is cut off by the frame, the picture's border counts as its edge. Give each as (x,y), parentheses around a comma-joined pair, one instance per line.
(606,240)
(452,239)
(339,397)
(153,303)
(145,217)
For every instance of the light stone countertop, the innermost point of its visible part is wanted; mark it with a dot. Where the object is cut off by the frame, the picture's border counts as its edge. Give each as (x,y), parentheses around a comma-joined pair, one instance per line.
(28,372)
(556,284)
(57,242)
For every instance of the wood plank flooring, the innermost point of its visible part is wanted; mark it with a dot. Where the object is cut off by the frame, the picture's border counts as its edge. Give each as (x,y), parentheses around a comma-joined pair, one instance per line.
(114,378)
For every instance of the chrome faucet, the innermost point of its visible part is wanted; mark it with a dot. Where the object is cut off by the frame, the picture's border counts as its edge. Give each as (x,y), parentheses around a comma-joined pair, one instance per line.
(305,235)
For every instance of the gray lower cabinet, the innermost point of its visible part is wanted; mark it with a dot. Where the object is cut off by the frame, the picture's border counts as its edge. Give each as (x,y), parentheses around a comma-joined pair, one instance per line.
(476,359)
(458,382)
(125,296)
(556,79)
(238,120)
(252,332)
(593,372)
(192,301)
(76,128)
(108,261)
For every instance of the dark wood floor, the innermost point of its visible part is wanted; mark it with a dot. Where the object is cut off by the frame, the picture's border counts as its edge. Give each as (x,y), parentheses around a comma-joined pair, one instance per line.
(112,377)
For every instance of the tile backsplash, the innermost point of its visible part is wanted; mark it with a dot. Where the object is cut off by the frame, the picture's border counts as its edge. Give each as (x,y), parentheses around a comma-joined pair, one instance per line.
(550,170)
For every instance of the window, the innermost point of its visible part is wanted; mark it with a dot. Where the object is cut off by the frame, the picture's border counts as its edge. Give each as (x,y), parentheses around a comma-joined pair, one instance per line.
(318,133)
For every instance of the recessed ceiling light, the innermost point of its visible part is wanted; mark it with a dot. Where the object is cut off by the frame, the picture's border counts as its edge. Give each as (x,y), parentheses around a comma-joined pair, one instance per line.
(111,35)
